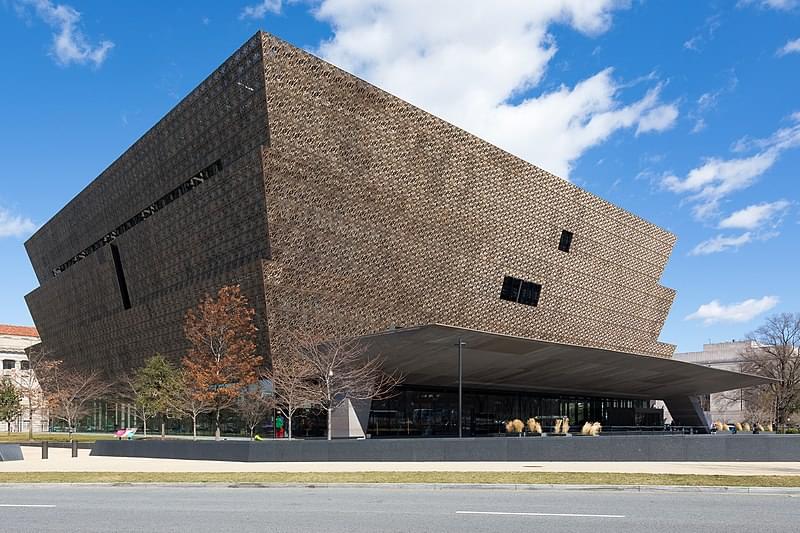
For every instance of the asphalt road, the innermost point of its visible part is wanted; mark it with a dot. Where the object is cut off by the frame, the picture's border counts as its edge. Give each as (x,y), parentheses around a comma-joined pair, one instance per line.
(105,508)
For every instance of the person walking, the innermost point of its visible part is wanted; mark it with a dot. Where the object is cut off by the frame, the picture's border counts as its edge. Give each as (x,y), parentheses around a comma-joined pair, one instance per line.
(279,427)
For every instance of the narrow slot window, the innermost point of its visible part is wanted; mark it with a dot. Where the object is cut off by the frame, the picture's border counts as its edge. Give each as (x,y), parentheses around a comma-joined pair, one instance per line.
(566,241)
(123,287)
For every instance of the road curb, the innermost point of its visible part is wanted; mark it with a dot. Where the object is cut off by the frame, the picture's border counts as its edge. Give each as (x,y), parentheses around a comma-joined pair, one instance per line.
(445,486)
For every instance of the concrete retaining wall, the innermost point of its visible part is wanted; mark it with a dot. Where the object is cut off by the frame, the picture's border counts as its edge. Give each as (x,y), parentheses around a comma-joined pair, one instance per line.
(604,448)
(10,452)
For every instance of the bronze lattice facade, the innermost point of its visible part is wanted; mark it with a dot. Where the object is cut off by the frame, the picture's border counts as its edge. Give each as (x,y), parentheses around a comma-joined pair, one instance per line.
(337,207)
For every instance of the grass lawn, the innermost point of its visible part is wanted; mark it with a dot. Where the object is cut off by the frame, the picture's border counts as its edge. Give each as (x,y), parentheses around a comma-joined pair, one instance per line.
(54,437)
(576,478)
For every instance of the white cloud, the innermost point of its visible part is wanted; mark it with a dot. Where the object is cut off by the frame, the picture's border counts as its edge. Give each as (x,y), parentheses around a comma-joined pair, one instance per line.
(14,225)
(70,45)
(721,243)
(658,119)
(713,311)
(791,47)
(704,33)
(708,101)
(474,64)
(781,5)
(717,178)
(260,10)
(754,216)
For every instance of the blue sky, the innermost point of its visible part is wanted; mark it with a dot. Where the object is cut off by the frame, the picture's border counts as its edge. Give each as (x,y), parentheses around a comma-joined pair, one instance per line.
(685,113)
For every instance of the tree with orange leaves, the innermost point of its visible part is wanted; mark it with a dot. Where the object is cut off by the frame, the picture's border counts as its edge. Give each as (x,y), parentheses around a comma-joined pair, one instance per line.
(222,360)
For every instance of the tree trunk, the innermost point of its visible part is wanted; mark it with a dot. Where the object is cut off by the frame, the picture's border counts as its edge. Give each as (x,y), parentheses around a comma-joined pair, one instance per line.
(217,432)
(330,413)
(289,422)
(163,429)
(144,424)
(194,427)
(30,415)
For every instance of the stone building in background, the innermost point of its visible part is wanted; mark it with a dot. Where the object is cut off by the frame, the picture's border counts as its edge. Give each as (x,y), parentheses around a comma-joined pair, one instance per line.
(344,210)
(726,406)
(14,340)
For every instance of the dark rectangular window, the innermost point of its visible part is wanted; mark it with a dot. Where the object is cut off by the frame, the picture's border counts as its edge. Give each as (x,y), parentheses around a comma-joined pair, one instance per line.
(25,365)
(520,291)
(566,241)
(123,286)
(529,293)
(8,364)
(510,290)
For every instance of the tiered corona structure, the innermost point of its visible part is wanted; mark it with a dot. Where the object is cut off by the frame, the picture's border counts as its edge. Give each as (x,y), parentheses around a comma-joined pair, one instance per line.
(342,209)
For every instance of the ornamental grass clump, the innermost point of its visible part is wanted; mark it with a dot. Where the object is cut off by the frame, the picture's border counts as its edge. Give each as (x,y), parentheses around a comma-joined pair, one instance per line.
(769,427)
(565,425)
(596,429)
(586,429)
(719,426)
(517,425)
(533,426)
(557,428)
(738,426)
(746,427)
(509,427)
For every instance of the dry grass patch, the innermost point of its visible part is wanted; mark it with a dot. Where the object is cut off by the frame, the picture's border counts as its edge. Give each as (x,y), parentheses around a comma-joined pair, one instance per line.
(546,478)
(54,437)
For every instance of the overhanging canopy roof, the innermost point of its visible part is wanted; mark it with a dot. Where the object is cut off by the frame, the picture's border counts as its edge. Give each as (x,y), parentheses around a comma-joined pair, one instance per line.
(427,356)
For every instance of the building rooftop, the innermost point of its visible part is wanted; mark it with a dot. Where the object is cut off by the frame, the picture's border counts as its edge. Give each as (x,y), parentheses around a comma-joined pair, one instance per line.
(18,331)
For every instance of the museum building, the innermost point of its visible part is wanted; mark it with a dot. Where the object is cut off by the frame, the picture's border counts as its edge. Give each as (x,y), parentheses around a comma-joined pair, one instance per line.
(343,210)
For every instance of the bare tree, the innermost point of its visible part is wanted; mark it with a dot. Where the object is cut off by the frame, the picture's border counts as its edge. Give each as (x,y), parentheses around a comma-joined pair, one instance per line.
(70,393)
(253,406)
(292,377)
(40,363)
(132,393)
(774,352)
(191,400)
(342,371)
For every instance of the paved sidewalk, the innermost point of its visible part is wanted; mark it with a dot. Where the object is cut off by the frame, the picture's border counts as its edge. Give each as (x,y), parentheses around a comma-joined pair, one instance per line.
(61,461)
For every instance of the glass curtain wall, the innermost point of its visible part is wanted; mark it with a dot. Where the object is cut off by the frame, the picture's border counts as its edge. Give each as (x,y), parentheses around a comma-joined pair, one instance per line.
(434,412)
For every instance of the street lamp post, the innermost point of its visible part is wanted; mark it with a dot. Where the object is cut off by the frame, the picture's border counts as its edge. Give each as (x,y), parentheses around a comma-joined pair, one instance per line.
(460,373)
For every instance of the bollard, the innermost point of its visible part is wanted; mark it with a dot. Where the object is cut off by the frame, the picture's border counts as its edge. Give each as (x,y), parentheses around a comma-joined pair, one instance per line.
(74,448)
(44,449)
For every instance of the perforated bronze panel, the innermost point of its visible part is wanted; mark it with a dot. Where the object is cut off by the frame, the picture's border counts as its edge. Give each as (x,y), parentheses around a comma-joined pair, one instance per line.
(342,209)
(210,236)
(382,215)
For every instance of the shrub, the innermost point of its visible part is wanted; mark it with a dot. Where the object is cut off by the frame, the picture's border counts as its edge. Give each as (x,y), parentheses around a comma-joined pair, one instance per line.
(586,429)
(738,426)
(596,429)
(533,426)
(769,427)
(517,425)
(746,427)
